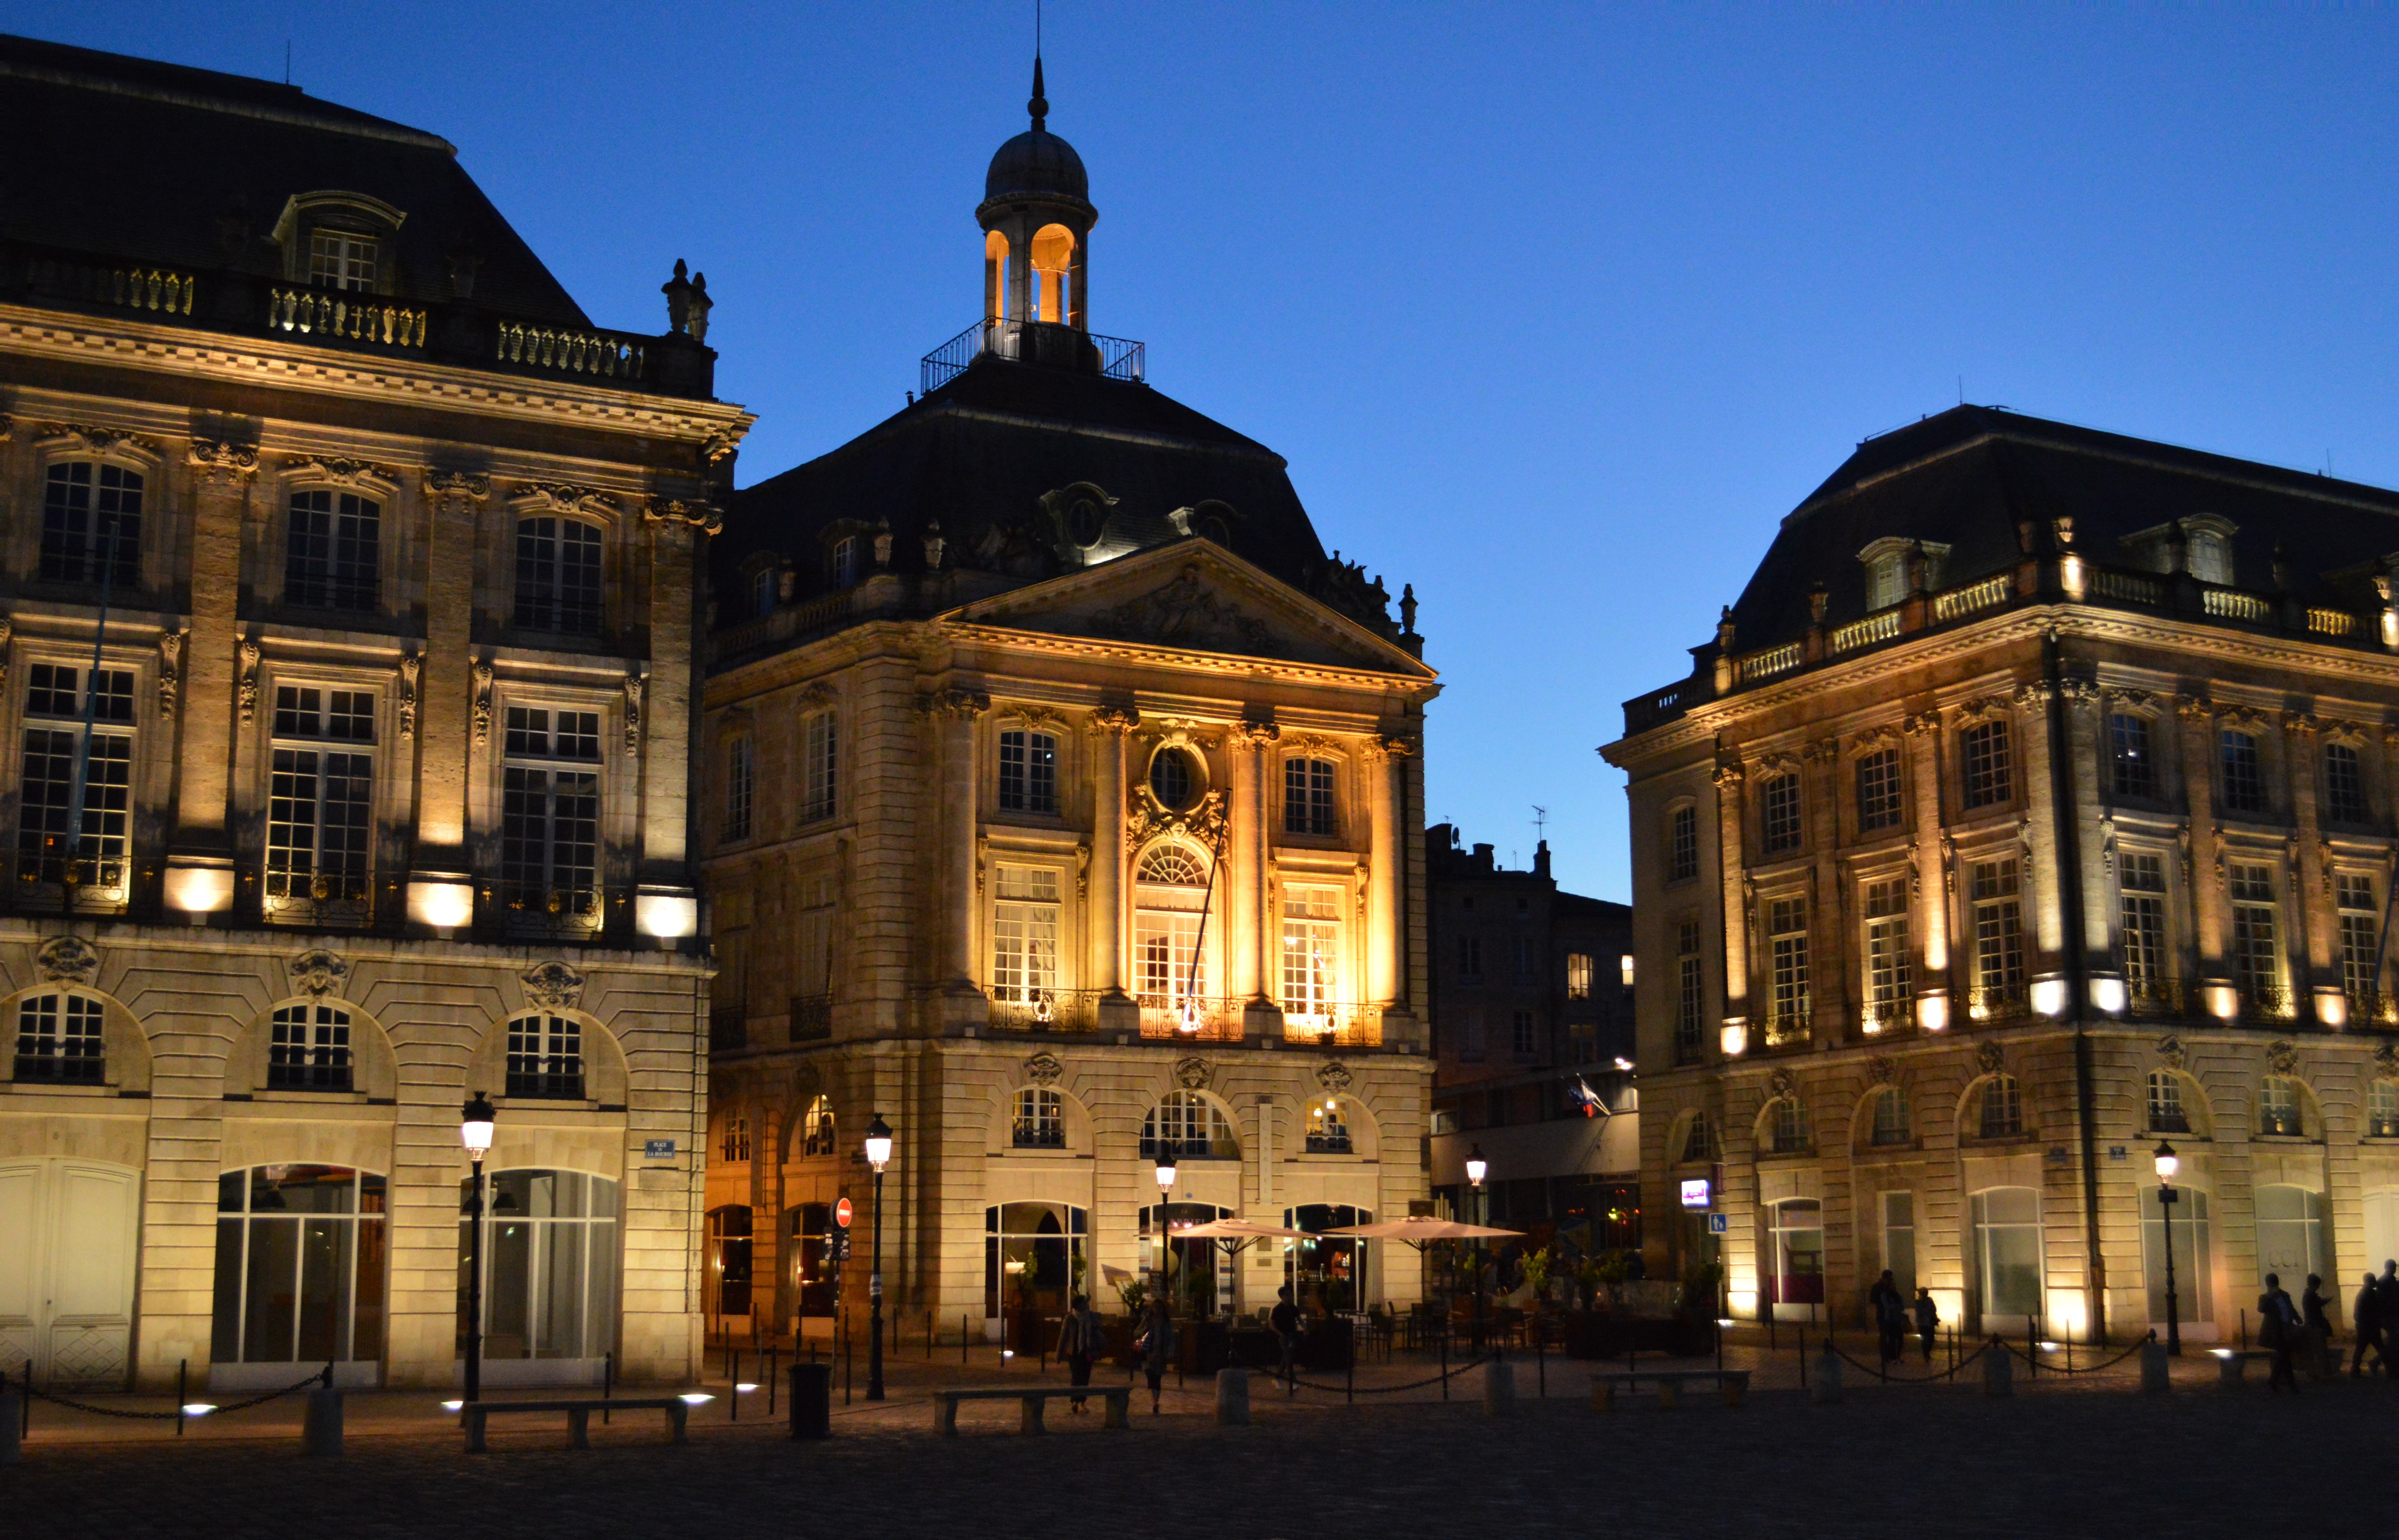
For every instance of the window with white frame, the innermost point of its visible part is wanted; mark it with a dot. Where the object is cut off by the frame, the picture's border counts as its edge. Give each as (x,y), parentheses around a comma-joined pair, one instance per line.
(2382,1109)
(91,525)
(841,562)
(819,1135)
(2345,784)
(1779,822)
(549,812)
(1699,1140)
(740,773)
(1786,937)
(1683,844)
(1999,939)
(2132,767)
(53,845)
(2256,950)
(820,765)
(1889,1124)
(1788,1130)
(1989,769)
(1170,970)
(1328,1128)
(2167,1114)
(1691,1000)
(320,797)
(2290,1232)
(1028,771)
(546,1057)
(2241,773)
(552,1261)
(1308,796)
(1186,1125)
(1879,804)
(1999,1108)
(1025,934)
(2361,942)
(1889,981)
(1578,974)
(301,1262)
(308,1049)
(2142,880)
(333,551)
(339,260)
(59,1038)
(1311,951)
(2278,1107)
(1039,1119)
(559,575)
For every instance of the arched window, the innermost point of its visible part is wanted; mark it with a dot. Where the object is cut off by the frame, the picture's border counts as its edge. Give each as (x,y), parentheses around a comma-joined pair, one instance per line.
(2167,1115)
(2382,1109)
(59,1040)
(729,1256)
(1039,1119)
(550,1268)
(558,577)
(546,1057)
(2280,1110)
(1889,1124)
(1328,1129)
(1053,255)
(1787,1128)
(737,1140)
(1999,1108)
(1192,1127)
(817,1133)
(1172,865)
(2193,1254)
(333,551)
(91,525)
(994,276)
(1699,1140)
(301,1263)
(309,1049)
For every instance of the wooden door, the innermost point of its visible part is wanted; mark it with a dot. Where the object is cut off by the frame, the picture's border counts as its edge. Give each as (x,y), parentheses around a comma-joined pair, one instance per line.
(68,1232)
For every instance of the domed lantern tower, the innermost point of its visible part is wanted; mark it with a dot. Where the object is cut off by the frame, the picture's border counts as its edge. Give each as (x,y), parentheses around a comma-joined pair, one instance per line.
(1036,218)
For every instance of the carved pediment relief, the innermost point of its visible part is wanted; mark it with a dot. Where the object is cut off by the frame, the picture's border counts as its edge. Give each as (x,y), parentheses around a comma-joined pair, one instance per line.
(1184,612)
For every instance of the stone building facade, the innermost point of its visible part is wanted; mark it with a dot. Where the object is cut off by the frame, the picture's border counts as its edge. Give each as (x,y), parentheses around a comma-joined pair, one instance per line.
(1063,800)
(2033,807)
(350,583)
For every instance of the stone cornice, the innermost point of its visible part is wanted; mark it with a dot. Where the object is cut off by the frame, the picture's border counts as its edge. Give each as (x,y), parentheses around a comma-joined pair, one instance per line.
(1219,665)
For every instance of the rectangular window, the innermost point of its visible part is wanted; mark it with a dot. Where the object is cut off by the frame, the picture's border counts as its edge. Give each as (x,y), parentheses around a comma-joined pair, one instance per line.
(2361,942)
(1469,1034)
(550,815)
(739,788)
(2244,788)
(1308,796)
(319,801)
(2344,784)
(2257,956)
(1578,974)
(1689,1002)
(1521,1036)
(58,1037)
(1999,941)
(332,552)
(1786,927)
(1028,771)
(2132,772)
(1988,764)
(50,838)
(91,525)
(1683,846)
(1311,950)
(2167,1115)
(1469,956)
(310,1049)
(1779,802)
(546,1057)
(1888,985)
(1878,799)
(2147,972)
(820,767)
(1025,934)
(559,576)
(339,260)
(1168,966)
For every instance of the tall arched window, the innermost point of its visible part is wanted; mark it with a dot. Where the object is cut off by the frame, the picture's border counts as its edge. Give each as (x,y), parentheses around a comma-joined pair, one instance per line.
(729,1256)
(1889,1124)
(559,575)
(2280,1108)
(2167,1114)
(1999,1108)
(817,1133)
(841,563)
(994,276)
(333,551)
(1038,1120)
(309,1049)
(1191,1127)
(1170,968)
(301,1262)
(59,1040)
(546,1057)
(1053,257)
(1328,1129)
(1786,1126)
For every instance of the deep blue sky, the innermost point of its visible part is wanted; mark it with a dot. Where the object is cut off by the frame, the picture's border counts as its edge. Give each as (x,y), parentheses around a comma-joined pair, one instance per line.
(1554,311)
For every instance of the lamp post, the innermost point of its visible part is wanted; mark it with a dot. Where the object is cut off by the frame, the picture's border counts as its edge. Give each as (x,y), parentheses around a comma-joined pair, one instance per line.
(1165,1191)
(878,1155)
(2168,1163)
(1476,1170)
(475,1132)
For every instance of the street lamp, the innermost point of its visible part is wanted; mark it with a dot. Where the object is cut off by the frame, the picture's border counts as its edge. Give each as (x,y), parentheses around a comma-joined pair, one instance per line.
(1476,1170)
(1165,1191)
(475,1132)
(2168,1163)
(878,1155)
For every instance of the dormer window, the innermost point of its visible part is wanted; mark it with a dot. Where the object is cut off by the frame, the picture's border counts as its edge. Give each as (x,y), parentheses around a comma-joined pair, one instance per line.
(842,565)
(762,592)
(340,259)
(1887,569)
(341,240)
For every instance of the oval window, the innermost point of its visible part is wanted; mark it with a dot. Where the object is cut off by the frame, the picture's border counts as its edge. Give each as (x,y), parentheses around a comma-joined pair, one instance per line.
(1170,779)
(1083,523)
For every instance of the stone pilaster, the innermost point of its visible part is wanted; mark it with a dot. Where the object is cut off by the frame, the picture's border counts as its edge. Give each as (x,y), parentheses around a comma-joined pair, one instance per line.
(1110,726)
(1386,763)
(222,474)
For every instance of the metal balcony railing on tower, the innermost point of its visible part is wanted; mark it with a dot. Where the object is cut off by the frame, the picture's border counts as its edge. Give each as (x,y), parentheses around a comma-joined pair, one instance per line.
(1033,342)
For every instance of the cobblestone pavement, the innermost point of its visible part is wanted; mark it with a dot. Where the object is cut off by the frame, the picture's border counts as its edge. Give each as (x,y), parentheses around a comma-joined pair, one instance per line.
(2064,1458)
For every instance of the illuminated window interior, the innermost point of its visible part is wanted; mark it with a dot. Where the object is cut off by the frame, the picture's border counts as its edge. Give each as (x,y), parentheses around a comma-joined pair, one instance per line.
(994,276)
(1054,253)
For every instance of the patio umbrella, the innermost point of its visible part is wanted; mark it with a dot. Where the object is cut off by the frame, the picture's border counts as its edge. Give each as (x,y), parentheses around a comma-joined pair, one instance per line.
(1421,1230)
(1235,1235)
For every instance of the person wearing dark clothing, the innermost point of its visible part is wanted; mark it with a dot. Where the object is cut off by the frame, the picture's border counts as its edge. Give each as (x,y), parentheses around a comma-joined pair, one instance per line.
(1927,1320)
(1079,1341)
(1284,1319)
(1156,1347)
(1890,1312)
(2386,1310)
(2278,1333)
(2366,1316)
(2316,1323)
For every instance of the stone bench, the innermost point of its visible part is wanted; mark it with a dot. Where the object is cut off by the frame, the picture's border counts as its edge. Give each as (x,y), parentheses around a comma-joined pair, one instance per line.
(2232,1363)
(1734,1383)
(1116,1402)
(579,1416)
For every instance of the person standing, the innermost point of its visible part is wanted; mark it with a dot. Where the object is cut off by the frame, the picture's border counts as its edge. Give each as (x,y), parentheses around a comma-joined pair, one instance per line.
(2278,1331)
(2365,1315)
(1079,1341)
(1927,1320)
(1890,1312)
(1156,1347)
(1284,1319)
(2316,1322)
(2386,1310)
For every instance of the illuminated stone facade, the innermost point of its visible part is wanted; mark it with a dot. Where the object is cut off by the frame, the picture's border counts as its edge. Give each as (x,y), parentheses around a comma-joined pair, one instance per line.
(1058,782)
(2033,807)
(398,559)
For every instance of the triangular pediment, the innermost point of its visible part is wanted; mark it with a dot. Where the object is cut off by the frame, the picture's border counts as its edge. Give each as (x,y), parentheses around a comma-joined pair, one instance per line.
(1192,596)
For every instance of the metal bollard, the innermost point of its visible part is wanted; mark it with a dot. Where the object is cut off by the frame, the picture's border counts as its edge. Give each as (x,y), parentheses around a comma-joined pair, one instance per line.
(811,1400)
(1826,1390)
(1998,1370)
(2155,1380)
(12,1414)
(1499,1388)
(320,1436)
(1233,1397)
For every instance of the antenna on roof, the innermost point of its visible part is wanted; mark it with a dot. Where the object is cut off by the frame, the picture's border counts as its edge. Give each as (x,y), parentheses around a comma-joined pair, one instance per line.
(286,61)
(1541,820)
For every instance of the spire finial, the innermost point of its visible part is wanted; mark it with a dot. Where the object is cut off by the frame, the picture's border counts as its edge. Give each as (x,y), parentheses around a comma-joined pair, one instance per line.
(1039,105)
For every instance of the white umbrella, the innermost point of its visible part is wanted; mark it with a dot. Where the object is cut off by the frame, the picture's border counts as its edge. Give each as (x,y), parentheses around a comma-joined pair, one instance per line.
(1421,1230)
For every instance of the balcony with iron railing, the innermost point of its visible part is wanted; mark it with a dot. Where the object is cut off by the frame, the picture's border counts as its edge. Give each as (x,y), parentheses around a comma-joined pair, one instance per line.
(1332,1026)
(1191,1018)
(1046,1010)
(1033,342)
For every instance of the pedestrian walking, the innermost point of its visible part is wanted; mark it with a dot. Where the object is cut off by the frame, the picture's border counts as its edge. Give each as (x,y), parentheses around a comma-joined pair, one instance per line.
(2365,1315)
(1157,1348)
(1927,1320)
(1080,1340)
(2316,1322)
(2278,1331)
(2386,1310)
(1889,1313)
(1284,1319)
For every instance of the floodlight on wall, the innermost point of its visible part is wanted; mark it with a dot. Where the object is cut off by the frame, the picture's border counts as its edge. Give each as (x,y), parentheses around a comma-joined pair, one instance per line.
(2108,995)
(2050,996)
(1933,1011)
(1733,1037)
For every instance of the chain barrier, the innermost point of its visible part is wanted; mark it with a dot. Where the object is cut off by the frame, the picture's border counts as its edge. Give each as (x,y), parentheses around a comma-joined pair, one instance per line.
(315,1379)
(2087,1369)
(1380,1389)
(1949,1373)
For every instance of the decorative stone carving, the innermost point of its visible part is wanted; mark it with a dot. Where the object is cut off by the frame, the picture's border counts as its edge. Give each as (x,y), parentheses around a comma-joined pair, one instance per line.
(343,473)
(552,986)
(2282,1057)
(718,444)
(1043,1069)
(1332,1078)
(954,702)
(564,497)
(170,671)
(67,960)
(446,485)
(1257,733)
(1118,720)
(1882,1070)
(1989,1058)
(215,461)
(634,686)
(2385,1059)
(1781,1084)
(1729,772)
(2301,723)
(1873,738)
(817,697)
(248,685)
(2032,696)
(1193,1074)
(1984,709)
(483,703)
(97,440)
(1144,820)
(8,629)
(1082,868)
(2194,708)
(2170,1053)
(1184,613)
(320,973)
(707,518)
(1922,722)
(410,667)
(1393,746)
